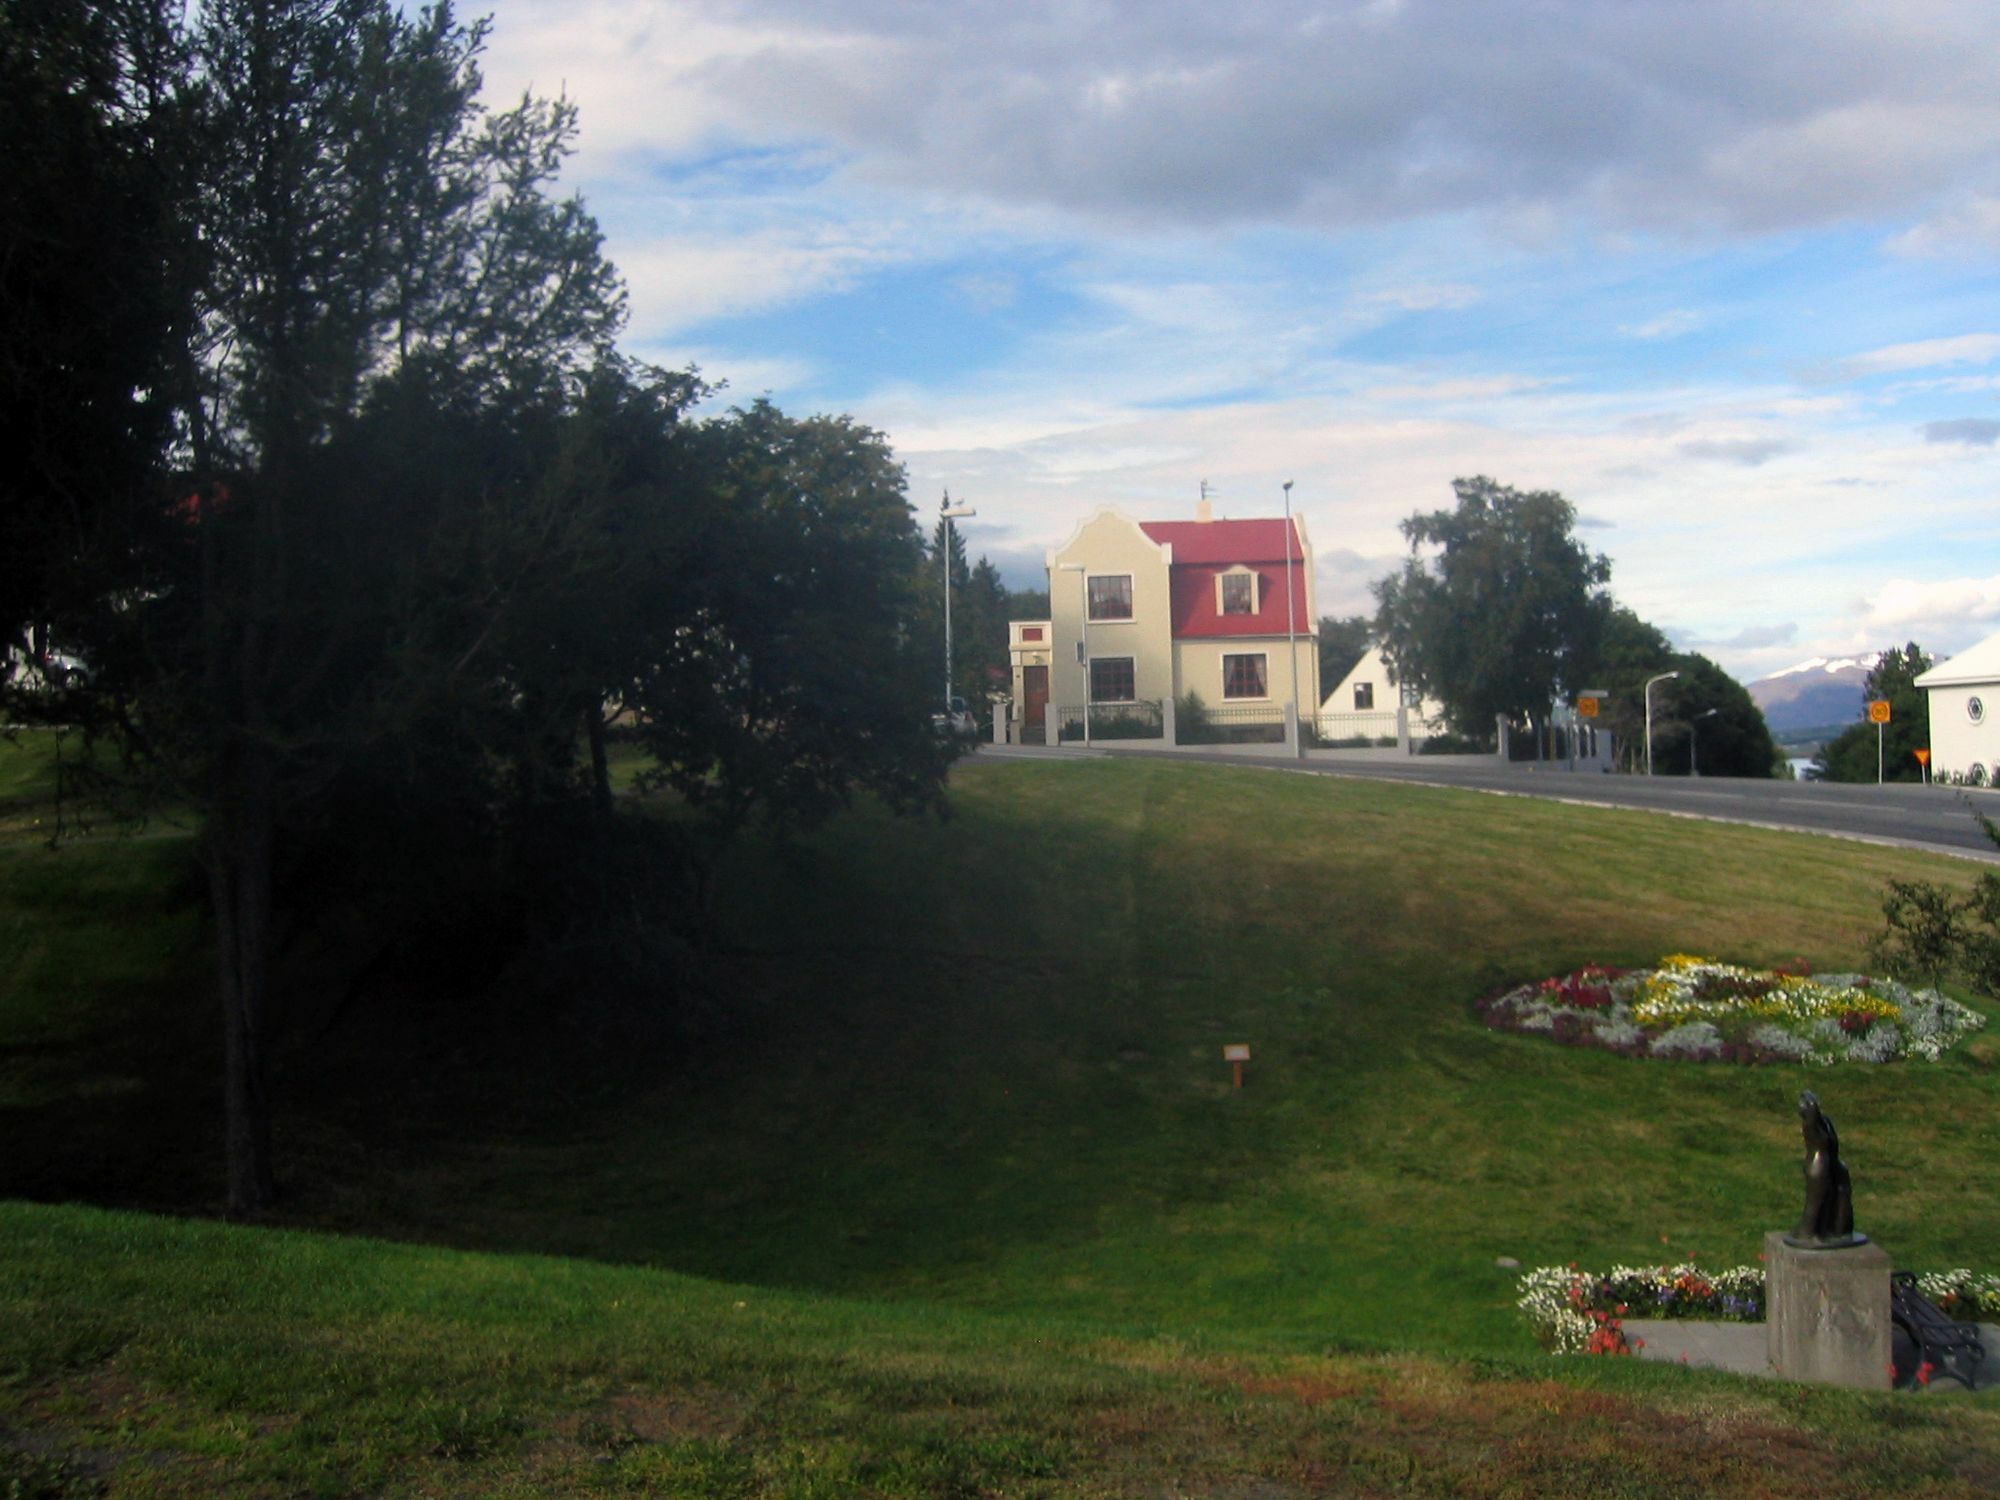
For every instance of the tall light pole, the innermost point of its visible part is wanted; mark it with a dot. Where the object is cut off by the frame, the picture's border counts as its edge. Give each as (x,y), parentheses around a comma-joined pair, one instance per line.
(950,513)
(1647,694)
(1291,632)
(1083,641)
(1694,761)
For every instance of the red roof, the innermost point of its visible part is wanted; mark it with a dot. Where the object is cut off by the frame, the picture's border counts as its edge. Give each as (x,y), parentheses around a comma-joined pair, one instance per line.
(1204,550)
(1225,542)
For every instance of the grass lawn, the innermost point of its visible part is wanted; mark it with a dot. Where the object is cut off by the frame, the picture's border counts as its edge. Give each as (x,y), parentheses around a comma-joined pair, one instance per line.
(959,1135)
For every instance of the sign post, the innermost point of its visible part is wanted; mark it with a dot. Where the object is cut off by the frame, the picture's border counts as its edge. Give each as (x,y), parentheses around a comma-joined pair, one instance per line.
(1924,760)
(1878,715)
(1236,1054)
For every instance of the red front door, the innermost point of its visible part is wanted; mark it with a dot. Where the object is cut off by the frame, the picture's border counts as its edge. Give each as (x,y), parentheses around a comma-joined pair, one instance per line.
(1035,701)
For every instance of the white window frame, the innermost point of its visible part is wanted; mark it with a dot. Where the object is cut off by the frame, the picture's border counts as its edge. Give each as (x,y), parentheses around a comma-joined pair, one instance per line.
(1369,688)
(1090,680)
(1256,591)
(1263,697)
(1131,591)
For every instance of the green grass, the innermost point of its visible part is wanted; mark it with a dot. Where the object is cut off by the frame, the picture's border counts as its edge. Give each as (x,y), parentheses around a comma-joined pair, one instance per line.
(961,1111)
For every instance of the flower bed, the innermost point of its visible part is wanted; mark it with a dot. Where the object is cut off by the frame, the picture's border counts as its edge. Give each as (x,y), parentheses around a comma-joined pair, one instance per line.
(1575,1311)
(1703,1010)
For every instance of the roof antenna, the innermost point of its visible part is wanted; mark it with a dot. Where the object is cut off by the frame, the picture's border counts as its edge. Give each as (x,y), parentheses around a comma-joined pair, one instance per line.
(1204,511)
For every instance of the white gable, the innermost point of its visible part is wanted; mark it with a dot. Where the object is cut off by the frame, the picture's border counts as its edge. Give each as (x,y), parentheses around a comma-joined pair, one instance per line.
(1976,664)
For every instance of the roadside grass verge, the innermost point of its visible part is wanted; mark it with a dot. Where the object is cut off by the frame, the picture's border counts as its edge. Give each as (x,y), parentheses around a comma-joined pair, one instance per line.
(147,1356)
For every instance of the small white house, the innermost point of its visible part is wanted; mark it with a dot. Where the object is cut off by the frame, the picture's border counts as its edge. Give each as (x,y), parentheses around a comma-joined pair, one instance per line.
(1366,702)
(1964,703)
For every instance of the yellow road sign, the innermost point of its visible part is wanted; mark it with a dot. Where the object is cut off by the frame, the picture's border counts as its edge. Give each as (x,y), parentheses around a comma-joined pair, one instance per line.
(1587,707)
(1878,711)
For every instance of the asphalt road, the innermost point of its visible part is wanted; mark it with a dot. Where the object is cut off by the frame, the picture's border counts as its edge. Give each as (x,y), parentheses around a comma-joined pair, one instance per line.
(1922,817)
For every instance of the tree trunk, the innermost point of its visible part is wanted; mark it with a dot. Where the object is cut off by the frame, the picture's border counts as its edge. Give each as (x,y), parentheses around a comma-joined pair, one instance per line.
(600,763)
(239,876)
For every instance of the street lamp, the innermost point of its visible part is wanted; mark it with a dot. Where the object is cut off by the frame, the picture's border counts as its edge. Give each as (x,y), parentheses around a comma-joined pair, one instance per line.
(950,513)
(1083,642)
(1291,642)
(1694,766)
(1647,694)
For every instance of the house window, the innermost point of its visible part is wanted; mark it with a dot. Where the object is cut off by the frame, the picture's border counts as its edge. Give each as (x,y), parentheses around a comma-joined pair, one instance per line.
(1975,709)
(1238,593)
(1364,697)
(1111,597)
(1111,679)
(1243,677)
(1031,632)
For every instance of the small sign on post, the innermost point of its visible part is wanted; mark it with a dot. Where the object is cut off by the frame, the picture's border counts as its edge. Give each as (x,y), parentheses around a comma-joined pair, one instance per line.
(1878,715)
(1236,1054)
(1924,760)
(1586,707)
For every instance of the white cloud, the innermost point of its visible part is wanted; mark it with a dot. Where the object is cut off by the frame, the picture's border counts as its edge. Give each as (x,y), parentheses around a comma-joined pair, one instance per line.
(1706,113)
(1945,614)
(1424,298)
(1666,326)
(1479,389)
(1969,227)
(1965,349)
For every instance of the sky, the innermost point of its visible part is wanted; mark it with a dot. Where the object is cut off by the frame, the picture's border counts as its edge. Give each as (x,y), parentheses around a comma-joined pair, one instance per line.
(1726,274)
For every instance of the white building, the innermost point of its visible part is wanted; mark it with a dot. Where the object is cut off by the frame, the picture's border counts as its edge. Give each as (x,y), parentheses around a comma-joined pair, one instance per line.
(1964,699)
(1365,702)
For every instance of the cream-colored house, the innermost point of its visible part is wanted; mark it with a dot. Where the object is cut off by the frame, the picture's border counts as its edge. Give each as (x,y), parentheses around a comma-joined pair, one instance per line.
(1145,612)
(1964,701)
(1367,701)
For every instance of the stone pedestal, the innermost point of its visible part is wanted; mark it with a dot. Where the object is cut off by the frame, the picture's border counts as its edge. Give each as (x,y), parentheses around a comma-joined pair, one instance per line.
(1826,1313)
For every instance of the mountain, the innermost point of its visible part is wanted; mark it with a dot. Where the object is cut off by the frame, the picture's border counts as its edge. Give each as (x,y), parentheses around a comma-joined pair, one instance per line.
(1813,694)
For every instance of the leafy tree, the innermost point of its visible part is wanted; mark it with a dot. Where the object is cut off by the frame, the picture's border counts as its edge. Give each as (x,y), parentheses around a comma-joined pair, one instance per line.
(788,677)
(1342,643)
(1504,614)
(1704,706)
(89,248)
(274,597)
(1711,716)
(1851,755)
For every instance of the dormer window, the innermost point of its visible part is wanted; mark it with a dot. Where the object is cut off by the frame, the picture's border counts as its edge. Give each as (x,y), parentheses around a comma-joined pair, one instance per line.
(1236,592)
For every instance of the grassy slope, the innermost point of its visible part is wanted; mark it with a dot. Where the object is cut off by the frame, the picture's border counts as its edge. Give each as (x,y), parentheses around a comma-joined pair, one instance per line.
(973,1077)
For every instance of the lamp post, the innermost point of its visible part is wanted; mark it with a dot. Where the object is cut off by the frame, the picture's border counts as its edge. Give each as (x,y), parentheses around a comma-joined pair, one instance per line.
(1647,694)
(1291,632)
(1694,764)
(1083,640)
(950,513)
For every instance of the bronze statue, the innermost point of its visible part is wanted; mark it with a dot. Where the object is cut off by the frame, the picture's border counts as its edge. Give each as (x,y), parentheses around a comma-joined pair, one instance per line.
(1828,1220)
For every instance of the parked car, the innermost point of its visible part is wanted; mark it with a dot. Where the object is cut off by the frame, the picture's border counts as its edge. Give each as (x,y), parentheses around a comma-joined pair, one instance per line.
(957,722)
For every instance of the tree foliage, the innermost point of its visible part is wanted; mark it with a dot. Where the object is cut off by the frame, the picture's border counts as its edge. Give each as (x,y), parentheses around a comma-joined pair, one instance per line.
(1503,614)
(1851,755)
(1703,714)
(360,524)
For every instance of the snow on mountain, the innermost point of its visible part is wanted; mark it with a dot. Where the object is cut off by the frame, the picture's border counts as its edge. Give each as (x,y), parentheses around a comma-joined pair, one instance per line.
(1813,694)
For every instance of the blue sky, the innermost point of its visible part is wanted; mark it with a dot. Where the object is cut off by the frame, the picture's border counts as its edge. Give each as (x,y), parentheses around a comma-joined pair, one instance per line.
(1722,273)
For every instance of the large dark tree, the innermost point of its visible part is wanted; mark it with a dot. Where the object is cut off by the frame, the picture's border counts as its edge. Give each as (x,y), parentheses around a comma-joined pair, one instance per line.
(1852,754)
(787,676)
(1702,719)
(331,233)
(1501,613)
(92,300)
